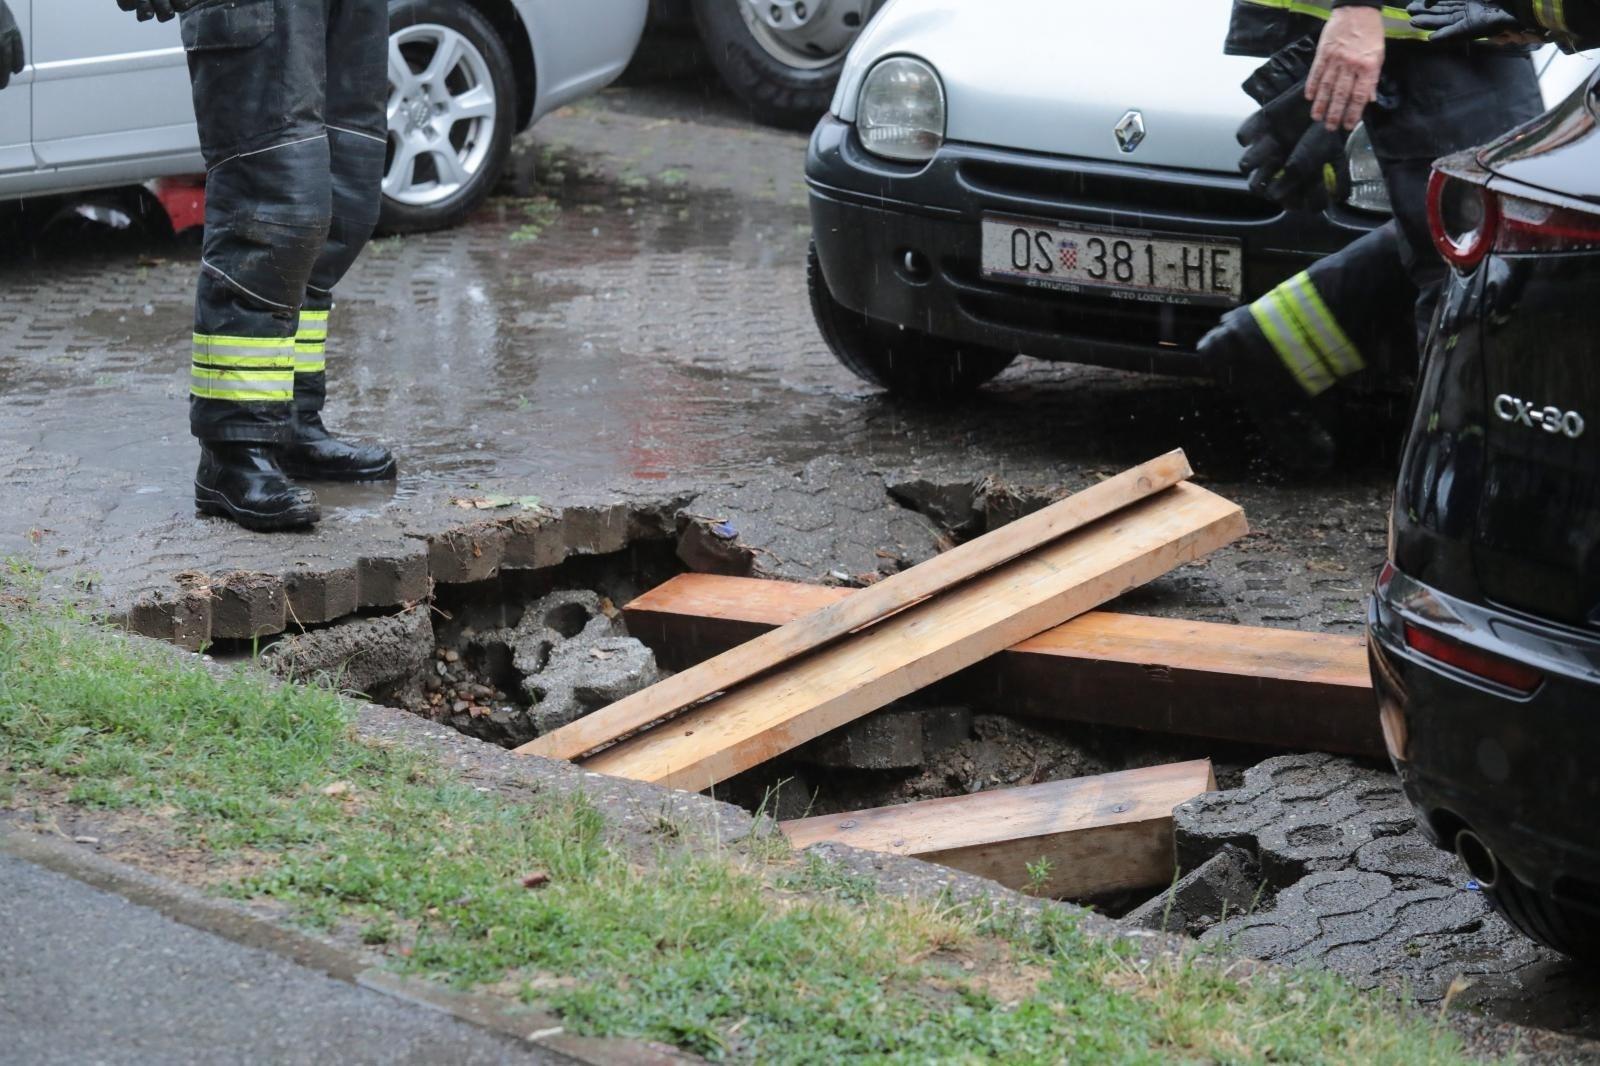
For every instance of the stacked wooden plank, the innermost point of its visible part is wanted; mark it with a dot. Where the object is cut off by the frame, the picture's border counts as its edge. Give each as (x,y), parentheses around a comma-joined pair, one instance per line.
(766,667)
(1276,687)
(1084,837)
(799,681)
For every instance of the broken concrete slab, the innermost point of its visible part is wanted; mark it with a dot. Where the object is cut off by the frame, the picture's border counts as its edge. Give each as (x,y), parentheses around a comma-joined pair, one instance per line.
(1357,887)
(574,659)
(1300,813)
(365,655)
(831,521)
(1227,884)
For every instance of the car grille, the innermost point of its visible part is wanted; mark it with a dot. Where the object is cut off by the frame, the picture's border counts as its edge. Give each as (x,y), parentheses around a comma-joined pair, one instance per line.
(1142,191)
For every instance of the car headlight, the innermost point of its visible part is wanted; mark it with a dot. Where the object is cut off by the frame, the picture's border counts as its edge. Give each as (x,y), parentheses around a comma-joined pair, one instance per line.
(1367,189)
(901,113)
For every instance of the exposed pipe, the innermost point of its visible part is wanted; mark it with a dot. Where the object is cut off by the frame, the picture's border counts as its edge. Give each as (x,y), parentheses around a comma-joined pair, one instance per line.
(1478,857)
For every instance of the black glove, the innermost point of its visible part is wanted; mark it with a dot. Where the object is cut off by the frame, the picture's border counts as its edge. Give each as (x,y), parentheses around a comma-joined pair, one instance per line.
(1288,67)
(161,10)
(1288,157)
(11,58)
(1462,20)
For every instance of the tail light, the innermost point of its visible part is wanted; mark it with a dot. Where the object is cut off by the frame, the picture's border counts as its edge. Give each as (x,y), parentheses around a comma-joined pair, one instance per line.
(1468,220)
(1464,217)
(1531,226)
(1503,672)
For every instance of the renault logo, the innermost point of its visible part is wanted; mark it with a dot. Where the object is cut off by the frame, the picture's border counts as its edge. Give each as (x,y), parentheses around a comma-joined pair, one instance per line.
(1130,132)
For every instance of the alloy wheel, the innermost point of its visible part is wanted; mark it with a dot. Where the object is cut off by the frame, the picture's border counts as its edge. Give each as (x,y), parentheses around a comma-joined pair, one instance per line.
(442,110)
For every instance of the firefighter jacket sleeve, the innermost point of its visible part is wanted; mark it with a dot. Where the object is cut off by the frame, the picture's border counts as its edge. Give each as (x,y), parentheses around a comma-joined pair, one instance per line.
(11,57)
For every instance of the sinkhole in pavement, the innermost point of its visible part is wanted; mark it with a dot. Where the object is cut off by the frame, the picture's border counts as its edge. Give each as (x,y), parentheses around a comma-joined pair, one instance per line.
(513,657)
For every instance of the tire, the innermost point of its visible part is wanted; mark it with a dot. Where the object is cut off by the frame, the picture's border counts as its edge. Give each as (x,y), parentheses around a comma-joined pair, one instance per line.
(1572,931)
(771,72)
(427,196)
(910,365)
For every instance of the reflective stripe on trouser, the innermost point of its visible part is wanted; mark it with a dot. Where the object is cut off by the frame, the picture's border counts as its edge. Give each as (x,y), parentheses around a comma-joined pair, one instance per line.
(311,359)
(1396,23)
(289,100)
(1302,330)
(253,370)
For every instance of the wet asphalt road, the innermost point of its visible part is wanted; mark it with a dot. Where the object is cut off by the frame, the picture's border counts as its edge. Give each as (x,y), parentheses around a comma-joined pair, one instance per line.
(628,317)
(88,977)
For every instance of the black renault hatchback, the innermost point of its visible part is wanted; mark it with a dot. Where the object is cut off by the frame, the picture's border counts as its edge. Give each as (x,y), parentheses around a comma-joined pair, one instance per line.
(1485,627)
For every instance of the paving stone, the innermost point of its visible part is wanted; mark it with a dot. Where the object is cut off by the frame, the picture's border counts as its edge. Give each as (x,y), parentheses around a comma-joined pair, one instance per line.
(1358,888)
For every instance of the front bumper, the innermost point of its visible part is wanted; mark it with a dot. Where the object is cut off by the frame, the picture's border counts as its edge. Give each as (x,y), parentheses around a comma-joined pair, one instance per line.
(867,213)
(1517,770)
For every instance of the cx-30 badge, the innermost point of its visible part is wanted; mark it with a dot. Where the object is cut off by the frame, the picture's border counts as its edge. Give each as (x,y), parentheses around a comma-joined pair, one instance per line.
(1550,419)
(1130,132)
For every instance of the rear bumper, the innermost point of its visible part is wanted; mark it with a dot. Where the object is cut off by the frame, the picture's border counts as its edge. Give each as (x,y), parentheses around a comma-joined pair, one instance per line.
(867,213)
(1516,769)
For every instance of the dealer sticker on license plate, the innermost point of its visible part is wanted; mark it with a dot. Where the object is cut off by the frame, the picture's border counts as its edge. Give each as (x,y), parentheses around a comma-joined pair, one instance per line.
(1127,263)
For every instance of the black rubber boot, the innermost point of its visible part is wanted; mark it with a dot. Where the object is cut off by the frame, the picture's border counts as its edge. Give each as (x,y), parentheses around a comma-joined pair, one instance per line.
(244,482)
(317,455)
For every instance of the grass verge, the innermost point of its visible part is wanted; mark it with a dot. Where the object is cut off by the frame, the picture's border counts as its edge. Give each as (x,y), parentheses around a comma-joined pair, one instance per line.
(744,953)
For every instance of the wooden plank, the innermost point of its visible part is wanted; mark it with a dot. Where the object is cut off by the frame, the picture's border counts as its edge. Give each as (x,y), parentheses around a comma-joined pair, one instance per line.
(1276,687)
(1100,834)
(887,597)
(927,642)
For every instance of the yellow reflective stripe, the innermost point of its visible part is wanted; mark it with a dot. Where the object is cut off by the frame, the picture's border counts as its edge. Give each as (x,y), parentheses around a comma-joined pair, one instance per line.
(217,340)
(1396,22)
(1277,323)
(274,361)
(239,396)
(1331,341)
(314,316)
(1551,14)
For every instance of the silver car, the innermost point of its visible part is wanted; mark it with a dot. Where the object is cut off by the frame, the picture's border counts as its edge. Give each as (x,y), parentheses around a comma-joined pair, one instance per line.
(105,99)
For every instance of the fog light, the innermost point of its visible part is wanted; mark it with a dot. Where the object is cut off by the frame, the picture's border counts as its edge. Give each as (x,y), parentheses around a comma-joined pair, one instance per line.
(914,265)
(901,114)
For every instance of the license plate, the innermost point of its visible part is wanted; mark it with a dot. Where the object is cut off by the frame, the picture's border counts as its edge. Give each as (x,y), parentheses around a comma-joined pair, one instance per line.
(1126,263)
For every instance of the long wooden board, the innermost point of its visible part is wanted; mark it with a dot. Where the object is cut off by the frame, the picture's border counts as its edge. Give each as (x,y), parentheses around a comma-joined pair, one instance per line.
(1097,834)
(893,594)
(927,642)
(1276,687)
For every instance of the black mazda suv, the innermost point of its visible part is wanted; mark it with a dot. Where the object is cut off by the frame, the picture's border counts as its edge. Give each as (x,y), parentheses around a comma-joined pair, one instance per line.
(1485,626)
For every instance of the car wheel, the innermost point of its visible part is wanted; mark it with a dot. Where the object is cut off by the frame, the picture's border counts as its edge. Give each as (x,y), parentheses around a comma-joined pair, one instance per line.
(452,108)
(782,58)
(1569,930)
(909,364)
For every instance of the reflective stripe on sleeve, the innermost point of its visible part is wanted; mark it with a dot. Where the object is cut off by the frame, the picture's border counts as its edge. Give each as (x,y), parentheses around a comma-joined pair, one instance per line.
(1396,22)
(1551,14)
(1332,343)
(1277,322)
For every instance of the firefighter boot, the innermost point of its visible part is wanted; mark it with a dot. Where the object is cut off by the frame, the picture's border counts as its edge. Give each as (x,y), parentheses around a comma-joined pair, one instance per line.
(314,454)
(243,481)
(1280,410)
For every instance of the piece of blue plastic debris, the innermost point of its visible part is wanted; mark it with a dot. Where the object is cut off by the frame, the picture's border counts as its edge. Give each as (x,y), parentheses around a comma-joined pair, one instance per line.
(725,530)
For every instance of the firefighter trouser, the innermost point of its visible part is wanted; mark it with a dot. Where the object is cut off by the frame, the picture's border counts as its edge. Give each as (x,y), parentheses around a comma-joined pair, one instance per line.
(1446,99)
(1322,325)
(289,96)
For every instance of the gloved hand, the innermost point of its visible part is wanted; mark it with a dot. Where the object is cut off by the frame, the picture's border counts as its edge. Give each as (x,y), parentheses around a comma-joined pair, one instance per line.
(11,57)
(1462,20)
(1288,156)
(161,10)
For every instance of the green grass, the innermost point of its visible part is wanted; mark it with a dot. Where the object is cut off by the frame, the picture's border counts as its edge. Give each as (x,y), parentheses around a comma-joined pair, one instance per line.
(729,952)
